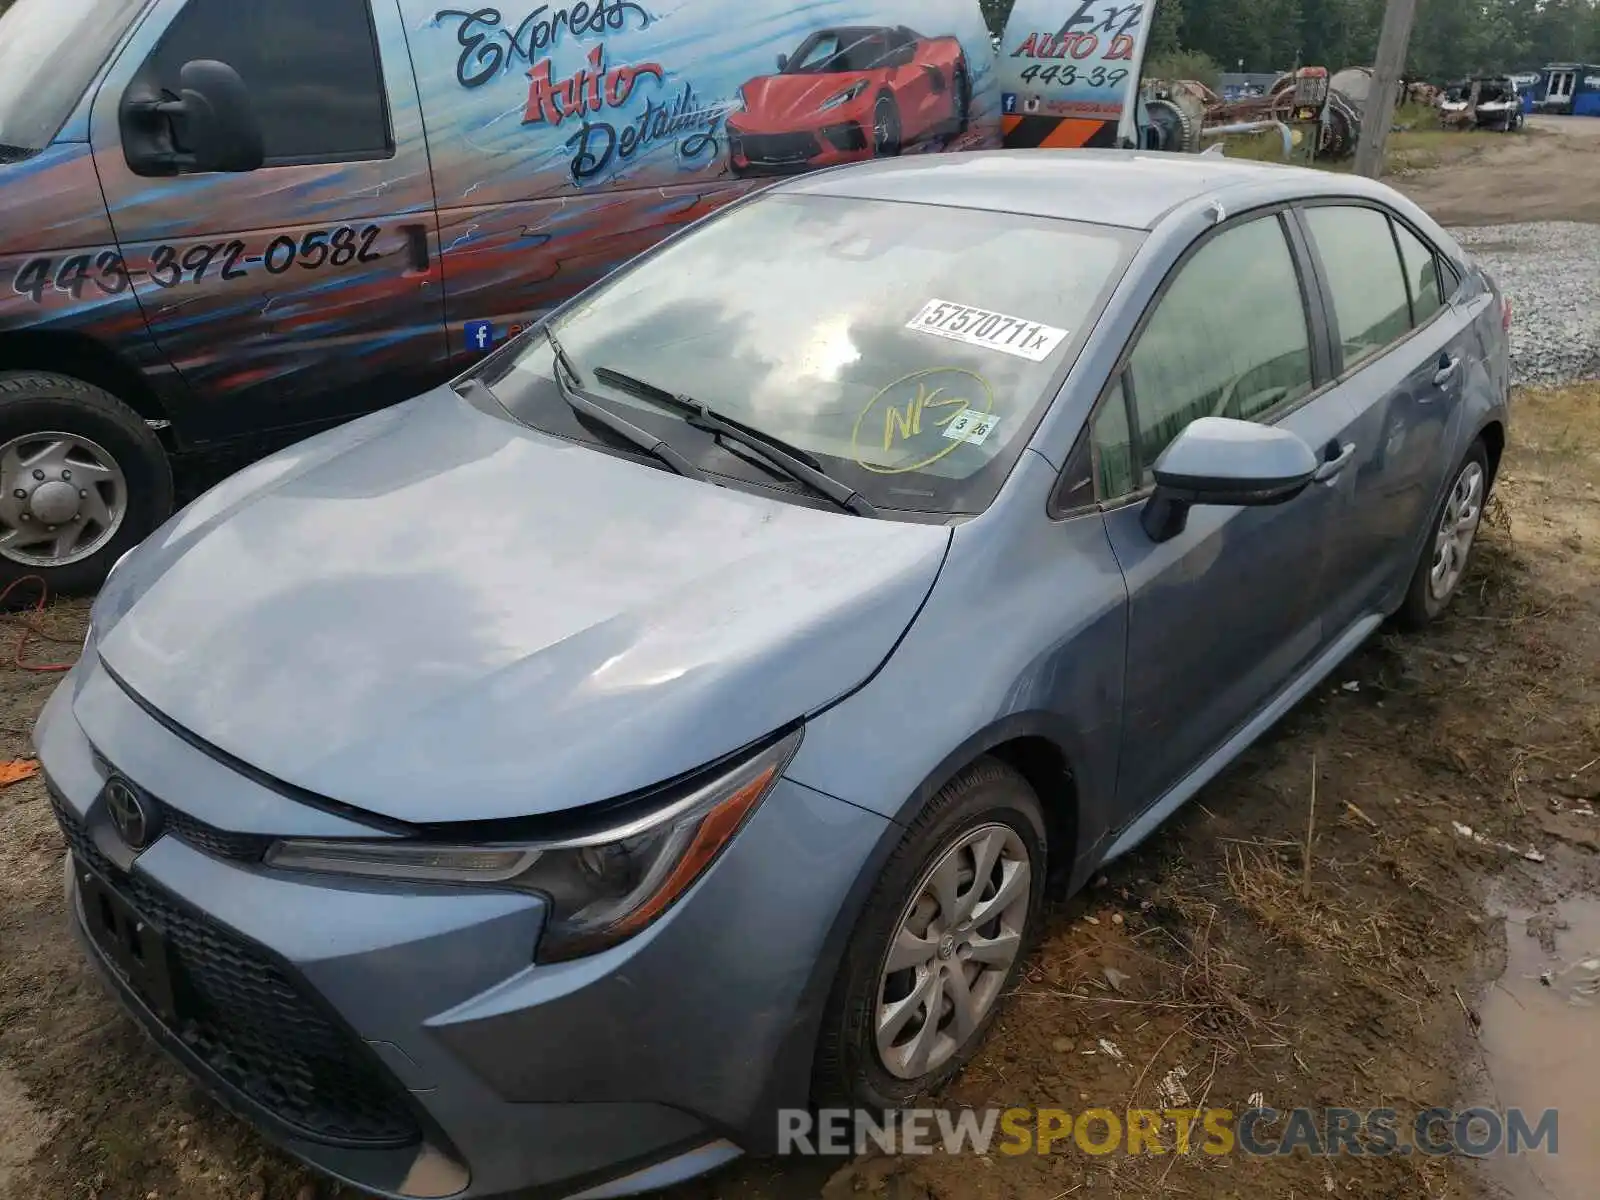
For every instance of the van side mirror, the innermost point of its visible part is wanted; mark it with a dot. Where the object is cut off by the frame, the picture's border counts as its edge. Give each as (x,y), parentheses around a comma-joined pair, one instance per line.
(1219,460)
(212,126)
(783,63)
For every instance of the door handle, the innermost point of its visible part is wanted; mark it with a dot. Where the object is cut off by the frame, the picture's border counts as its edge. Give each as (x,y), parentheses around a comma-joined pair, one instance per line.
(1339,458)
(417,246)
(1447,368)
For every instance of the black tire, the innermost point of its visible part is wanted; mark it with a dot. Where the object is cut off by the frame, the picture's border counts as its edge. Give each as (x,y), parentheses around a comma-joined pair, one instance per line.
(1423,603)
(886,128)
(1171,124)
(848,1070)
(39,402)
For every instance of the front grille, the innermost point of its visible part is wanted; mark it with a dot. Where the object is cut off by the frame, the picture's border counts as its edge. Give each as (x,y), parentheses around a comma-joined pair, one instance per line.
(253,1026)
(779,147)
(219,843)
(849,136)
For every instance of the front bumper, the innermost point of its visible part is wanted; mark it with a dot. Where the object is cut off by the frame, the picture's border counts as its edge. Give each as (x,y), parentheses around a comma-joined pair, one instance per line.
(842,138)
(484,1074)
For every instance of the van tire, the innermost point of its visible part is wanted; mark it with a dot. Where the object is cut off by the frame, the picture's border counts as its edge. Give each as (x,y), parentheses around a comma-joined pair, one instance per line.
(40,403)
(848,1070)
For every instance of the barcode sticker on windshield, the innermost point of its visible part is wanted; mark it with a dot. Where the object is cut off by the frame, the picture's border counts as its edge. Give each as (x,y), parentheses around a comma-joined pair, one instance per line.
(991,330)
(972,426)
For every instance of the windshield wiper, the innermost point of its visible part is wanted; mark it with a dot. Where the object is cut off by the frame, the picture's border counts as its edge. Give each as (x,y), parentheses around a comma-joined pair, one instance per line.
(625,429)
(790,460)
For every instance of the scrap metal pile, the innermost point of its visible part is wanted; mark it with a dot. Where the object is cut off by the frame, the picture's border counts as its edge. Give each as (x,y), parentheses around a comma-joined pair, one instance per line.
(1184,112)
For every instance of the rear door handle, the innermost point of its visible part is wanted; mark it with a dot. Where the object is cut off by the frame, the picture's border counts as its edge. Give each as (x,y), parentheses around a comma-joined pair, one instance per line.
(417,246)
(1447,368)
(1330,468)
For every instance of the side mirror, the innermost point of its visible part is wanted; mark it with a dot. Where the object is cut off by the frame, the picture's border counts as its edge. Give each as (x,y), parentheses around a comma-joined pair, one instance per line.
(1219,460)
(783,63)
(212,126)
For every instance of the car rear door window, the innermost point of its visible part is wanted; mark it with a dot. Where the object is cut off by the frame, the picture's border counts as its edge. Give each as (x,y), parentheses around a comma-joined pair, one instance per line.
(1228,338)
(1422,275)
(311,68)
(1371,306)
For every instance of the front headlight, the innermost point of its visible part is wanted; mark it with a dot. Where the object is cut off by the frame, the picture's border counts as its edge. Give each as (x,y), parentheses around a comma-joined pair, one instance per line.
(844,97)
(602,887)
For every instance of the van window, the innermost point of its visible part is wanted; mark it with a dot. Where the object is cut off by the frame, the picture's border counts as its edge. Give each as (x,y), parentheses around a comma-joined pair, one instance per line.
(50,51)
(311,67)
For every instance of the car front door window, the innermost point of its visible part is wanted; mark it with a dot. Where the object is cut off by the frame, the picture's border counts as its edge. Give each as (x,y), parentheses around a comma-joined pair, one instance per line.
(1228,339)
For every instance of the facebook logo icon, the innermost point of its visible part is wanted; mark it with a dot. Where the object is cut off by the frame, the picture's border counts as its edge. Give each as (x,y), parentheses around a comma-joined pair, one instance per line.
(1008,102)
(480,334)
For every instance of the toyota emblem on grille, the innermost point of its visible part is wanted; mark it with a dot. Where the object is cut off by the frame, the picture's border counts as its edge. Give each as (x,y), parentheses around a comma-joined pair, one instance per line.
(130,813)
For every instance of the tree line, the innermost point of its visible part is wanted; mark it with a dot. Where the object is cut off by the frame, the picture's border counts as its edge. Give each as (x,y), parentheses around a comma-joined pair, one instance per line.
(1451,38)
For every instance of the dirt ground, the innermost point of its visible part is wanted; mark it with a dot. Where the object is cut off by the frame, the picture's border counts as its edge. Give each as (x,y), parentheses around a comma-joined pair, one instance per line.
(1221,954)
(1550,172)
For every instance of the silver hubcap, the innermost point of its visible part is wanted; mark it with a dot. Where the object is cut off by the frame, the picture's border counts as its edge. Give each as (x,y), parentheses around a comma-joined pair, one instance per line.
(1459,525)
(62,498)
(953,948)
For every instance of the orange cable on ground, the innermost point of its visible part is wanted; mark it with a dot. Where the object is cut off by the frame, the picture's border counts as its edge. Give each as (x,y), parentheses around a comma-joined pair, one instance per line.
(28,627)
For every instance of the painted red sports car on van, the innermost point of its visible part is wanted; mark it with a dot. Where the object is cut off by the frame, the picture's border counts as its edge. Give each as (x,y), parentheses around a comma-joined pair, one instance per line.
(846,94)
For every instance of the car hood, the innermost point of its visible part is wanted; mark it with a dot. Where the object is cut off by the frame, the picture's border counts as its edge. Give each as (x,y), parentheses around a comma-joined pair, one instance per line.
(437,614)
(787,97)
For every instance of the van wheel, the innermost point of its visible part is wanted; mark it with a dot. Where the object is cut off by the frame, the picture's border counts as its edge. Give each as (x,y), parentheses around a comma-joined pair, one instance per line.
(1452,533)
(82,480)
(942,938)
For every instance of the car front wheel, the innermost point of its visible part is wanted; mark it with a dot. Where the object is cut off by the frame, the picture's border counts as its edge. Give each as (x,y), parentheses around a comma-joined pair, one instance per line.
(941,939)
(1447,551)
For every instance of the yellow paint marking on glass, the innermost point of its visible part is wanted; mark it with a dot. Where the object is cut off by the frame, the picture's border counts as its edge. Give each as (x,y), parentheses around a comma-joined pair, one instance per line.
(901,424)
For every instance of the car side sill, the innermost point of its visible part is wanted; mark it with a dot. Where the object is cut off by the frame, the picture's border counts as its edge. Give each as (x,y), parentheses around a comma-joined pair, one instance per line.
(1152,817)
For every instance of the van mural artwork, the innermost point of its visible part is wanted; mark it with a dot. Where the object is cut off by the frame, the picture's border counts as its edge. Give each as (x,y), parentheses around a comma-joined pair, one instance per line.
(512,156)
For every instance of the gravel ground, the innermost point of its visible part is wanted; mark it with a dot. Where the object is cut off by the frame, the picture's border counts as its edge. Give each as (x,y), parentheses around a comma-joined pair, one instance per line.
(1551,272)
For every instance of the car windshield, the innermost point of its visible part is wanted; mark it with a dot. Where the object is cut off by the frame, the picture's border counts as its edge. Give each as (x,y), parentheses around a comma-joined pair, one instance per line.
(49,53)
(837,52)
(908,348)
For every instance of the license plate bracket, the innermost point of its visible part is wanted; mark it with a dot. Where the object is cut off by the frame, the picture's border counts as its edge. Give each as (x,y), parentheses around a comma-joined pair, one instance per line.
(135,945)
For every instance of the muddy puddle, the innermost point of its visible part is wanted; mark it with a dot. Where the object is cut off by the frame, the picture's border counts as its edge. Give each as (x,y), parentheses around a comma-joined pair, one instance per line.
(1541,1047)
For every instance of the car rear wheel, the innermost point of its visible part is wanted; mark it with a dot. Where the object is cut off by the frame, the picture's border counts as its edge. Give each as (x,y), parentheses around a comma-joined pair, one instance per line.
(941,939)
(82,480)
(885,127)
(1444,558)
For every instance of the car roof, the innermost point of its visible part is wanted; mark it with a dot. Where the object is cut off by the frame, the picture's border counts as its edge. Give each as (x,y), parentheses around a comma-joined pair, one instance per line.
(1128,188)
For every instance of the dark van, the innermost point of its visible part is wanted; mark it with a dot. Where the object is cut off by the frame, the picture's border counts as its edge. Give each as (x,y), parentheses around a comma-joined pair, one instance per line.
(221,219)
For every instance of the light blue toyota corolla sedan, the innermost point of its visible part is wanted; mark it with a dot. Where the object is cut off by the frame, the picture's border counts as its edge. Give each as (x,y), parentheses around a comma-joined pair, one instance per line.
(543,782)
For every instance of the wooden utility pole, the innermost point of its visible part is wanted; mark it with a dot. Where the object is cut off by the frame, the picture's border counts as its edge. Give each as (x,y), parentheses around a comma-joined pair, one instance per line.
(1393,40)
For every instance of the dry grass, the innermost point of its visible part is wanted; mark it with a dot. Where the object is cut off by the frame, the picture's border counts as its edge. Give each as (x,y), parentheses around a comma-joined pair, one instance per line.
(1418,143)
